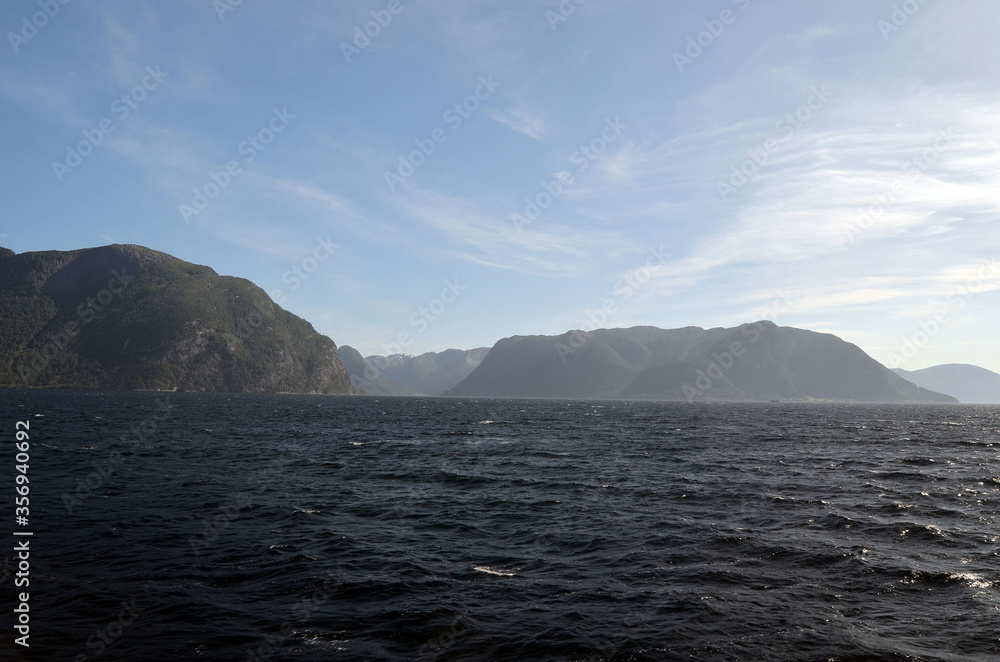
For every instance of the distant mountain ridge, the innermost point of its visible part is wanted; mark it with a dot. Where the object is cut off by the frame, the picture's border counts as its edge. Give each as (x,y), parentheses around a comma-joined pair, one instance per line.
(759,361)
(365,378)
(125,317)
(431,373)
(970,384)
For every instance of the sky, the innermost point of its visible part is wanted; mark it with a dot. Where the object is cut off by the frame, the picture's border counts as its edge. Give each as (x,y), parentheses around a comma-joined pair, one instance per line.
(411,175)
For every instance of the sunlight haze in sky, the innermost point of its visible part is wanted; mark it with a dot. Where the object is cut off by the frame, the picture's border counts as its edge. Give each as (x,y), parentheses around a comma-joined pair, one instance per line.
(411,175)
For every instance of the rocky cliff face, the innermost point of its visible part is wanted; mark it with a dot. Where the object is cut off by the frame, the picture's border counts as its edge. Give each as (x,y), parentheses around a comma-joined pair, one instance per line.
(126,317)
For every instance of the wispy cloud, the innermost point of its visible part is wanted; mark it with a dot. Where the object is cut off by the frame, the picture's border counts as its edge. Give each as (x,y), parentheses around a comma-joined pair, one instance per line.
(807,200)
(839,213)
(490,239)
(326,199)
(520,121)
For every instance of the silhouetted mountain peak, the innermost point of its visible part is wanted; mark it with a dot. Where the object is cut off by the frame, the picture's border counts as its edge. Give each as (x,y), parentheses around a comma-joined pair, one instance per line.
(969,383)
(756,361)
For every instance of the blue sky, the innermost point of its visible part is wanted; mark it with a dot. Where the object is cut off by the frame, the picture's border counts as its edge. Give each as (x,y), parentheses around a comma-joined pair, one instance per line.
(490,168)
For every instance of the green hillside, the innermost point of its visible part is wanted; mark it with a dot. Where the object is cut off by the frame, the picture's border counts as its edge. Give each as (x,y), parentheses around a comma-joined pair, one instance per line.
(129,318)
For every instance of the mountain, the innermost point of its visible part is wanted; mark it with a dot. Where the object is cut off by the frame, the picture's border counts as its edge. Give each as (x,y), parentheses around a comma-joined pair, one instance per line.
(598,364)
(759,361)
(126,317)
(365,378)
(968,383)
(432,373)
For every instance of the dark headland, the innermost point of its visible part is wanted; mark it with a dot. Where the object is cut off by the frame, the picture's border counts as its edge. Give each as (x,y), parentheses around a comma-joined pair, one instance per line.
(125,317)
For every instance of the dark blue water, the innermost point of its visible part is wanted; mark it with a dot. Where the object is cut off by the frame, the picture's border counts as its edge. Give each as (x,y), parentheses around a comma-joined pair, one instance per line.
(324,528)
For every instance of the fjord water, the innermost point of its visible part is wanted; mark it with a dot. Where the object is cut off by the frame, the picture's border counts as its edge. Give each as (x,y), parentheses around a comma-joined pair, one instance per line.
(338,528)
